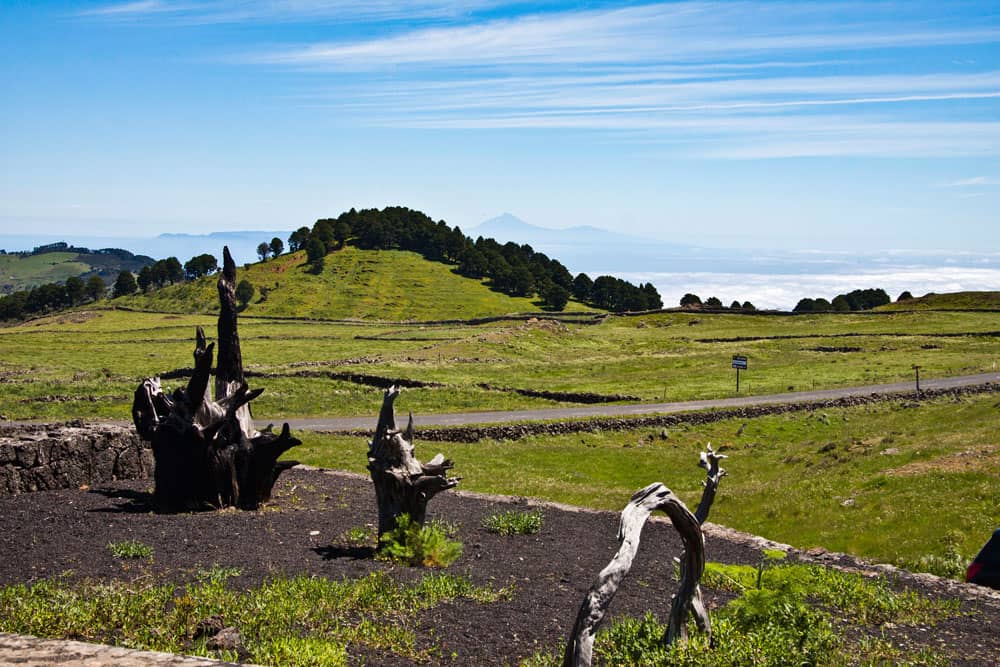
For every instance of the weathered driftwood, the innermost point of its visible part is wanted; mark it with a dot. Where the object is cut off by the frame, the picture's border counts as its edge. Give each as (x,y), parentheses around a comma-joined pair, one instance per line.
(403,485)
(687,600)
(207,452)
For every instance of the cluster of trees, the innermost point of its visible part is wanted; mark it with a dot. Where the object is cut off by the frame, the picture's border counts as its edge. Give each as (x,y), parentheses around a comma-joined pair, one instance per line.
(713,303)
(616,294)
(200,265)
(274,248)
(158,274)
(51,296)
(857,300)
(517,270)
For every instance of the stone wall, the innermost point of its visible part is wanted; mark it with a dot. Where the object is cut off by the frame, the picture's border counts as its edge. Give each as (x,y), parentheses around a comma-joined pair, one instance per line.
(59,456)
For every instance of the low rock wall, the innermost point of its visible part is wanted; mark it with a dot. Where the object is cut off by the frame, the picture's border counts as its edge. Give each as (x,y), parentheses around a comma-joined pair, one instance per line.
(40,457)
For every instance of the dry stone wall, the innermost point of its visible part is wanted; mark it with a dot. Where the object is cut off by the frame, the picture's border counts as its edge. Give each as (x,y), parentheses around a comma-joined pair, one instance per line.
(40,457)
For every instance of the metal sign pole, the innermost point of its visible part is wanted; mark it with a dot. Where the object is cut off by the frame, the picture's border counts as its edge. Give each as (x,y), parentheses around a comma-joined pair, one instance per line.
(739,363)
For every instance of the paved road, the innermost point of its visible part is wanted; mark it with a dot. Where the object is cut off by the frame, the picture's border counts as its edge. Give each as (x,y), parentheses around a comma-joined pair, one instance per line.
(465,418)
(583,412)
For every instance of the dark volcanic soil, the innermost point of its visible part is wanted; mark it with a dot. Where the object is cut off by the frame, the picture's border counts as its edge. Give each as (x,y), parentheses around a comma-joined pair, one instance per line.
(49,533)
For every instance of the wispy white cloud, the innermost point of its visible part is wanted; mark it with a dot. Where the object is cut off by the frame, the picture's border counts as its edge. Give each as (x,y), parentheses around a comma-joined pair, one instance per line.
(975,181)
(659,33)
(250,11)
(133,9)
(734,80)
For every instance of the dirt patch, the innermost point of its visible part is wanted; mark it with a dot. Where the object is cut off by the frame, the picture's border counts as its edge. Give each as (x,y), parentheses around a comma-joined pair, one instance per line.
(979,459)
(552,326)
(301,532)
(74,318)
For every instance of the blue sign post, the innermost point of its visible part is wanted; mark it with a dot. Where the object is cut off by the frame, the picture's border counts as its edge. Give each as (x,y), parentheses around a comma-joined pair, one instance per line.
(739,363)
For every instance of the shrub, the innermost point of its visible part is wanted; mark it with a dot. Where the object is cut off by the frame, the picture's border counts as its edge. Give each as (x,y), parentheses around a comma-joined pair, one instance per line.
(415,545)
(514,523)
(130,549)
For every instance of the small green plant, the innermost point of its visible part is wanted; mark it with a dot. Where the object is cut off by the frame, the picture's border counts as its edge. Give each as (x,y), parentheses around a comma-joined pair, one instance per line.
(768,557)
(130,549)
(951,563)
(415,545)
(511,522)
(358,536)
(217,574)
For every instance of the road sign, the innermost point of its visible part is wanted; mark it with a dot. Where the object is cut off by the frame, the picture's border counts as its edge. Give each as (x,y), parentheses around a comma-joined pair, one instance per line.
(739,362)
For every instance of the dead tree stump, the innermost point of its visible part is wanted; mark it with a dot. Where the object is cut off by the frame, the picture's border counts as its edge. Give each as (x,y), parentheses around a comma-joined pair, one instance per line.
(580,647)
(403,485)
(207,452)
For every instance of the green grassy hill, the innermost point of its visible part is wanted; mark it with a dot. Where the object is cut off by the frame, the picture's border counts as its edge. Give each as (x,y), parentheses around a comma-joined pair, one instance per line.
(953,301)
(22,272)
(387,285)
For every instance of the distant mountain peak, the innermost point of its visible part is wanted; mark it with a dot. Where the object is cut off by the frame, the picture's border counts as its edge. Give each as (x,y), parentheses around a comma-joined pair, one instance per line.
(508,222)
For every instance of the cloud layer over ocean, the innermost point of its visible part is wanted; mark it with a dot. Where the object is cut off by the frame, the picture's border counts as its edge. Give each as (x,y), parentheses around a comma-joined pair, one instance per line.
(783,291)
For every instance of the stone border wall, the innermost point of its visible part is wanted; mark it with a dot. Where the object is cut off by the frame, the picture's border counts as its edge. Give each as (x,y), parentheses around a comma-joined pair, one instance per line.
(41,457)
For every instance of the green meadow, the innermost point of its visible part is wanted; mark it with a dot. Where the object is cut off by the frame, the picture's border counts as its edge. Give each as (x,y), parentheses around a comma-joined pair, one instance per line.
(17,272)
(87,363)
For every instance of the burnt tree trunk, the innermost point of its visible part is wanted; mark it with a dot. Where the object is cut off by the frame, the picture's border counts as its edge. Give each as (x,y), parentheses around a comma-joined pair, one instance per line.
(403,485)
(687,600)
(207,452)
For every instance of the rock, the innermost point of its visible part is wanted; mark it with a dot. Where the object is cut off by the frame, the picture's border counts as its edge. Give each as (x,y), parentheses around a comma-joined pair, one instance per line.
(227,639)
(209,627)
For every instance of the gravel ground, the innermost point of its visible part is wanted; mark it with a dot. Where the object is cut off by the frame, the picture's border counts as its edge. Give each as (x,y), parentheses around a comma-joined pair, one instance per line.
(54,532)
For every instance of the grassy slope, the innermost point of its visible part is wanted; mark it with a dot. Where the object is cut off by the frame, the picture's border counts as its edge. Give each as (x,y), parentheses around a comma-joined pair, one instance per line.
(18,273)
(886,482)
(384,285)
(957,300)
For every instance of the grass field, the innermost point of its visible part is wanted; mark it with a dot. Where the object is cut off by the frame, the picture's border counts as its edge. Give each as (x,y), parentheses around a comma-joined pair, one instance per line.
(955,300)
(87,364)
(18,273)
(891,481)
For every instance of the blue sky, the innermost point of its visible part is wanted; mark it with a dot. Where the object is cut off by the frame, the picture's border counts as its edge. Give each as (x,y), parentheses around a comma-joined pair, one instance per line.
(794,125)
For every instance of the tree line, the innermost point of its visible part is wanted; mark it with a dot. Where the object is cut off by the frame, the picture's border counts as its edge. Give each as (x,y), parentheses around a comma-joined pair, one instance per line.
(510,268)
(51,296)
(859,299)
(713,303)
